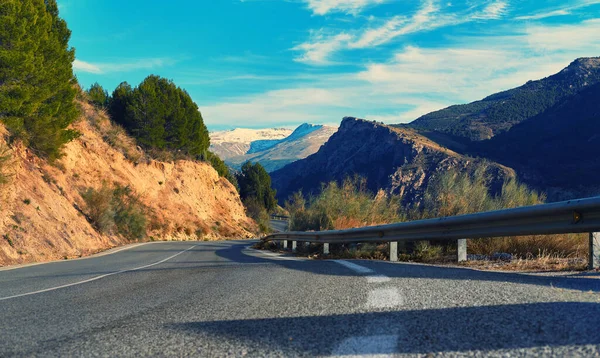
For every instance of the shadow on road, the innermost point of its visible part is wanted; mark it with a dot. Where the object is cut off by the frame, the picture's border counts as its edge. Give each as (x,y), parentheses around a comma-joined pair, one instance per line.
(419,331)
(408,270)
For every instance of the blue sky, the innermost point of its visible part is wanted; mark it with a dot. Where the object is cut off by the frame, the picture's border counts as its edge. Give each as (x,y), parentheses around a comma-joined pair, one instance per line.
(280,63)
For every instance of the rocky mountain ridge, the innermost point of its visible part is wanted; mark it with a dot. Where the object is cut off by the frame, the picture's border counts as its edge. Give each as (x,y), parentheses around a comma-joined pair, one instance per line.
(398,160)
(499,112)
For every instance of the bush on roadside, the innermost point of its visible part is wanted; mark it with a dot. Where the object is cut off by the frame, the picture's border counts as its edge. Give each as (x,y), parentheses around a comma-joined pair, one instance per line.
(343,206)
(256,211)
(116,210)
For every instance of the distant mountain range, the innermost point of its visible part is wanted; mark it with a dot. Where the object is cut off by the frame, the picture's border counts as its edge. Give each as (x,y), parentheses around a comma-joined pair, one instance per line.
(236,142)
(273,148)
(548,131)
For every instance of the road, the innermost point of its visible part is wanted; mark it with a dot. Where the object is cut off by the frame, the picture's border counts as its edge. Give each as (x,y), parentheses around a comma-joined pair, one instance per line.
(224,299)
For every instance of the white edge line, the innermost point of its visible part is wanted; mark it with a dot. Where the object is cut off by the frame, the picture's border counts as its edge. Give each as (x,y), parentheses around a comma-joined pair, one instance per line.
(110,251)
(96,278)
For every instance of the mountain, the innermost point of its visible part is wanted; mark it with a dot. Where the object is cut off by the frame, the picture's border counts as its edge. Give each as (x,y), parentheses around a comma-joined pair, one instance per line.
(302,142)
(398,160)
(43,214)
(239,141)
(499,112)
(557,150)
(546,131)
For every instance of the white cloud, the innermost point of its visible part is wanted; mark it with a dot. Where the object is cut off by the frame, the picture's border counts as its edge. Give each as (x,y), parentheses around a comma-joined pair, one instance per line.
(544,15)
(279,107)
(494,10)
(563,11)
(418,80)
(83,66)
(319,50)
(101,68)
(581,38)
(354,7)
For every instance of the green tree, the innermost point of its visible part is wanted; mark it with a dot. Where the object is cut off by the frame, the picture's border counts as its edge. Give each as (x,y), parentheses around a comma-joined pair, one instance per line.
(37,86)
(98,95)
(255,184)
(160,115)
(118,103)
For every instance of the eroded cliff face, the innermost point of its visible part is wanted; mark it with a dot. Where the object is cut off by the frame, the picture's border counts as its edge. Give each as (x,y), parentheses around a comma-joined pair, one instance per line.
(42,213)
(398,160)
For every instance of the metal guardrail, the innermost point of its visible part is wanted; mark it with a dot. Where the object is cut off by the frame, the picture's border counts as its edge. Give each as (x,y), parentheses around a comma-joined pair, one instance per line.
(573,216)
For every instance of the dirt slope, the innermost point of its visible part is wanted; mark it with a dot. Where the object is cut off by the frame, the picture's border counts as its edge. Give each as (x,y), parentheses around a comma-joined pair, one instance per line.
(42,215)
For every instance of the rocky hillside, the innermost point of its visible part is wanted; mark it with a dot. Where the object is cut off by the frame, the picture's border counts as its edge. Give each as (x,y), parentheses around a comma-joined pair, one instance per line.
(43,215)
(239,141)
(304,141)
(498,113)
(398,160)
(557,150)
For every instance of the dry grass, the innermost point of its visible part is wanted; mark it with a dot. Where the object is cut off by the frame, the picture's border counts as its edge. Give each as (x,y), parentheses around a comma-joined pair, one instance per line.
(541,263)
(571,246)
(112,133)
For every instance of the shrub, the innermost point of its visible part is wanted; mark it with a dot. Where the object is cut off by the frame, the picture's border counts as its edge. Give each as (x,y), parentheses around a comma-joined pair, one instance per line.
(116,210)
(258,213)
(5,157)
(341,207)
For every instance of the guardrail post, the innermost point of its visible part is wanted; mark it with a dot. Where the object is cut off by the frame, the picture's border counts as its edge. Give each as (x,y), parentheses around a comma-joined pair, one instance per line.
(294,246)
(393,251)
(594,259)
(461,248)
(325,249)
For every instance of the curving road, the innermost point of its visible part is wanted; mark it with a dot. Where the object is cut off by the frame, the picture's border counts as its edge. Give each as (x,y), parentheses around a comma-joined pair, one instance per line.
(224,299)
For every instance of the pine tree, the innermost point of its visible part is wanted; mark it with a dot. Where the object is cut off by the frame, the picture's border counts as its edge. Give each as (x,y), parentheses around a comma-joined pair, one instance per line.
(255,184)
(160,115)
(37,86)
(118,103)
(98,95)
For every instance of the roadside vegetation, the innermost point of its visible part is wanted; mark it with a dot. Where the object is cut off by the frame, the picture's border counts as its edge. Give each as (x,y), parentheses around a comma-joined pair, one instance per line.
(38,86)
(116,210)
(256,194)
(350,205)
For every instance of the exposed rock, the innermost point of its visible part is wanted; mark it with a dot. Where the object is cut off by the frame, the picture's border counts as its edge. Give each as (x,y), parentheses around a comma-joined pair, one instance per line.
(42,214)
(399,160)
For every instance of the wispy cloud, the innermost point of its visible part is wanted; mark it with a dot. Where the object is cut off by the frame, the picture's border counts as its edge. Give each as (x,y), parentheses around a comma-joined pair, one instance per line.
(567,9)
(494,10)
(103,68)
(320,48)
(418,80)
(544,15)
(354,7)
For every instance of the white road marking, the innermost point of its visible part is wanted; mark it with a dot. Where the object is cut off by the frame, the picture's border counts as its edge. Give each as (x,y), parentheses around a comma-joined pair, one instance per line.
(378,279)
(384,298)
(100,254)
(273,255)
(96,278)
(355,267)
(373,346)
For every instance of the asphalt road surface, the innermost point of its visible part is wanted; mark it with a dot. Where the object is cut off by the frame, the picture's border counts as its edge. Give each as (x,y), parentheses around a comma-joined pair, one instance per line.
(224,299)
